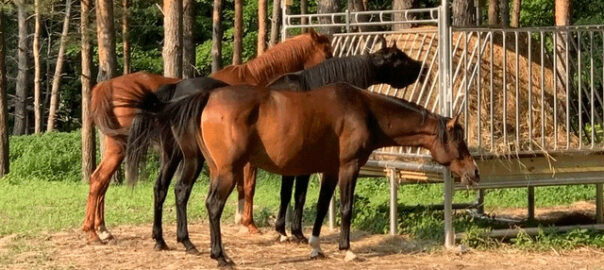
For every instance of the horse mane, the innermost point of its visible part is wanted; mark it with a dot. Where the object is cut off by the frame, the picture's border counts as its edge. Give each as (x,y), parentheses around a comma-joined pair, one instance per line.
(281,58)
(356,70)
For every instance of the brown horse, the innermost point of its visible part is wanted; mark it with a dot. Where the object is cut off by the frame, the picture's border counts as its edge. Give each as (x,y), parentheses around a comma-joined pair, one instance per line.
(114,119)
(332,130)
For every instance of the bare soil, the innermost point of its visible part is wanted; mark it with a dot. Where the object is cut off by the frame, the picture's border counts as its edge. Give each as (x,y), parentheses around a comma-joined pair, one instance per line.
(133,249)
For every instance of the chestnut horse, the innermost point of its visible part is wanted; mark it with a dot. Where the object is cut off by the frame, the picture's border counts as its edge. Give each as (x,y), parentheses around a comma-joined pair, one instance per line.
(114,119)
(387,65)
(332,130)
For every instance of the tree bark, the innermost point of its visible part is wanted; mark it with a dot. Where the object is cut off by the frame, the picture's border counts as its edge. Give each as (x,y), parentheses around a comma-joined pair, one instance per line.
(562,12)
(4,160)
(37,70)
(327,6)
(106,39)
(238,33)
(188,39)
(126,35)
(505,13)
(56,80)
(261,27)
(516,13)
(217,36)
(88,141)
(304,10)
(401,5)
(275,22)
(172,52)
(22,74)
(562,17)
(493,12)
(463,13)
(354,6)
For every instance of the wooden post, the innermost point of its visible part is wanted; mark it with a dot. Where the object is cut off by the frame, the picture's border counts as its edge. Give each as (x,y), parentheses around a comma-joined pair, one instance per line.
(531,203)
(599,204)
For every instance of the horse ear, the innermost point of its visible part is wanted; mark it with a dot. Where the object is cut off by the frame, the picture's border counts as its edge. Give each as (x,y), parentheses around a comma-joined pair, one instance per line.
(394,46)
(451,123)
(312,33)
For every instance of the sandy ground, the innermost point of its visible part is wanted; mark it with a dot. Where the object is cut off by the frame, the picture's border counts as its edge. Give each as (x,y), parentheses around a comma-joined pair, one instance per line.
(133,249)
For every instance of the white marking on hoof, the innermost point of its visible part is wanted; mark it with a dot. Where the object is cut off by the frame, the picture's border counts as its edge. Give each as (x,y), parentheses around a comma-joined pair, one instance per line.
(283,238)
(315,243)
(104,235)
(350,256)
(239,212)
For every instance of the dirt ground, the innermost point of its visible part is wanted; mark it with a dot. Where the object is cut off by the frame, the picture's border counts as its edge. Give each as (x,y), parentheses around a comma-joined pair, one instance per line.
(133,249)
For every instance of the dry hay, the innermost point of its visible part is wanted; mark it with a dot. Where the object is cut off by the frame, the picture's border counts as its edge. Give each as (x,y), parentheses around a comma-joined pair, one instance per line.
(133,249)
(422,44)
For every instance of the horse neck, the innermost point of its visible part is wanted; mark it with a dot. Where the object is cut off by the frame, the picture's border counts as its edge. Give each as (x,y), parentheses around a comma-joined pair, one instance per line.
(285,57)
(355,70)
(400,123)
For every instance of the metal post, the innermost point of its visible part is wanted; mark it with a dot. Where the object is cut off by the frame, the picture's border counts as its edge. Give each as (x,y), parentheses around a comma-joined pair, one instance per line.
(599,204)
(347,21)
(448,208)
(393,202)
(531,203)
(283,20)
(480,202)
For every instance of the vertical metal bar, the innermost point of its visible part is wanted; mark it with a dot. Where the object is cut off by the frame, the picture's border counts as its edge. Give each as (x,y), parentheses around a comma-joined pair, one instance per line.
(491,112)
(480,201)
(542,94)
(284,21)
(555,69)
(479,93)
(517,128)
(531,203)
(567,73)
(530,90)
(393,202)
(347,21)
(592,99)
(504,89)
(599,204)
(466,82)
(448,209)
(580,89)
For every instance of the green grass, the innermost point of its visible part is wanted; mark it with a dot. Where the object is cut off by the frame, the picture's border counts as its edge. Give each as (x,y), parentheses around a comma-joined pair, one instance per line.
(43,193)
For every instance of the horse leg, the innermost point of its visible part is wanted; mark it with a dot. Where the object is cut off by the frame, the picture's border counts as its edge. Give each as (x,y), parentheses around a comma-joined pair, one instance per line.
(99,182)
(249,188)
(328,185)
(191,168)
(169,164)
(220,188)
(287,184)
(300,199)
(347,179)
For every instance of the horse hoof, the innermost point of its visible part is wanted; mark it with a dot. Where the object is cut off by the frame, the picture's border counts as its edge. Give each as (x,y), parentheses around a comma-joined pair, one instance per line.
(317,254)
(160,246)
(193,251)
(106,235)
(300,239)
(282,239)
(252,229)
(350,256)
(224,262)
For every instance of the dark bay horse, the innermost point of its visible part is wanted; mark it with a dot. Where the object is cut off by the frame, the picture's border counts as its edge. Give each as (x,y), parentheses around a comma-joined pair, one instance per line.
(387,65)
(332,130)
(114,119)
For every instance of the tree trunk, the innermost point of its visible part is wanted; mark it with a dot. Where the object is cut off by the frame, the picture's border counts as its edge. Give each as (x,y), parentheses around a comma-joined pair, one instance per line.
(516,13)
(562,12)
(88,142)
(106,39)
(275,22)
(304,10)
(327,6)
(56,80)
(505,13)
(261,27)
(37,70)
(22,74)
(562,17)
(172,52)
(463,13)
(493,12)
(126,35)
(401,5)
(4,160)
(217,36)
(188,39)
(238,33)
(355,6)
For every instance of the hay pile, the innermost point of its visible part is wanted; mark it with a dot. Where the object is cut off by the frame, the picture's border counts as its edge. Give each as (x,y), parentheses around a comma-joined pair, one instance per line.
(504,101)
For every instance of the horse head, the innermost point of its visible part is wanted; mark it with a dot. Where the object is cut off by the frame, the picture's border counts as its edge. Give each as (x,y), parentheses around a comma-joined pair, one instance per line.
(321,49)
(395,67)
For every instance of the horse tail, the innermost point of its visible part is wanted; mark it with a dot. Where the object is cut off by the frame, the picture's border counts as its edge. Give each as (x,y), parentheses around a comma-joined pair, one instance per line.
(101,109)
(185,114)
(145,127)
